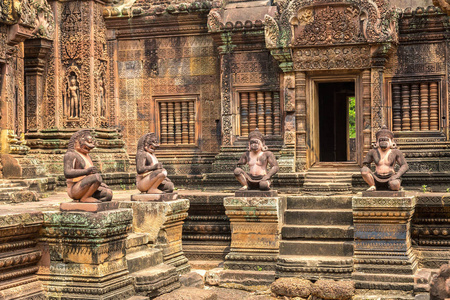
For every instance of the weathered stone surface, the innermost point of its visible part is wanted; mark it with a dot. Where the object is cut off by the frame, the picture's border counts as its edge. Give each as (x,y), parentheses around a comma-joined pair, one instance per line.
(255,228)
(330,289)
(154,197)
(256,193)
(292,287)
(162,222)
(20,255)
(383,258)
(383,194)
(189,293)
(439,288)
(192,279)
(156,280)
(85,254)
(239,279)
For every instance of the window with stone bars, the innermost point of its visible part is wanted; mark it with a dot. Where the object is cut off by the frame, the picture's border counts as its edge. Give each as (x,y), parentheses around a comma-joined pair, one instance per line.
(260,109)
(177,121)
(415,106)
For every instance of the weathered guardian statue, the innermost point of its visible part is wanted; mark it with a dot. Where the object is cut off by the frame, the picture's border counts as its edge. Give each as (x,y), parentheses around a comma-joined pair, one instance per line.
(84,183)
(258,158)
(151,176)
(385,156)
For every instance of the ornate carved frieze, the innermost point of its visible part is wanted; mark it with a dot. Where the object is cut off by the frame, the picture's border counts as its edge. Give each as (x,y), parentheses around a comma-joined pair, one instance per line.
(339,57)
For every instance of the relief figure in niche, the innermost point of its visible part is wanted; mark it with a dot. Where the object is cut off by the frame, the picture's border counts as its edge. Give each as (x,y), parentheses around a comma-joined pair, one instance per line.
(385,156)
(84,182)
(151,176)
(102,96)
(72,97)
(258,158)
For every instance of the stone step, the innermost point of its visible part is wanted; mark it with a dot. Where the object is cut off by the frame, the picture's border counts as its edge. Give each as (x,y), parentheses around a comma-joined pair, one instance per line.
(144,259)
(326,185)
(319,179)
(316,260)
(6,190)
(318,217)
(316,248)
(319,202)
(317,232)
(134,240)
(156,280)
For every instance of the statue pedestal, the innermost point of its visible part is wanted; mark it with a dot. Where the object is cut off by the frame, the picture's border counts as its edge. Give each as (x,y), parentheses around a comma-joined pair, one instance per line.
(255,234)
(88,207)
(383,258)
(163,222)
(86,255)
(154,197)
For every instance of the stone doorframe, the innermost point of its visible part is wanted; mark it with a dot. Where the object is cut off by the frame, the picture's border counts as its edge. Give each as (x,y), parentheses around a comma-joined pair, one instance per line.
(312,111)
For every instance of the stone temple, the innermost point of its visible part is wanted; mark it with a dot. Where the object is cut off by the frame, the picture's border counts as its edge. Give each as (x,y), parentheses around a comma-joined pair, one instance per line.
(317,78)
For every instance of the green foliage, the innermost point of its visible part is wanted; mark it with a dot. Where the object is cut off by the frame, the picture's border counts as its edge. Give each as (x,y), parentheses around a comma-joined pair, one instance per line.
(259,268)
(351,117)
(424,188)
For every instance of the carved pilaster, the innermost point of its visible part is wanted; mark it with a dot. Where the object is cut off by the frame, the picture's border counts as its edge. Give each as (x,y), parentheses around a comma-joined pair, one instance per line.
(35,54)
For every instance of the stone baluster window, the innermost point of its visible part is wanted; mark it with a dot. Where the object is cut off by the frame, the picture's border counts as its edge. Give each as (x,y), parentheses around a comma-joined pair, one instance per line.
(415,106)
(260,109)
(177,122)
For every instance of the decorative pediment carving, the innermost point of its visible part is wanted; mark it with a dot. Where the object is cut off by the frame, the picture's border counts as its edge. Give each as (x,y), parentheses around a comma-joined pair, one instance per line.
(34,16)
(322,23)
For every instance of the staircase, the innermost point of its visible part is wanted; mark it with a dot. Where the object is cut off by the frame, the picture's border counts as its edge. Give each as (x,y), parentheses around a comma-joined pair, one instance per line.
(317,238)
(330,177)
(151,276)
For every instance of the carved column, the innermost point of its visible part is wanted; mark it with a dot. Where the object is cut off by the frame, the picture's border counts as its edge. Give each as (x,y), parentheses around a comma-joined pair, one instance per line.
(35,53)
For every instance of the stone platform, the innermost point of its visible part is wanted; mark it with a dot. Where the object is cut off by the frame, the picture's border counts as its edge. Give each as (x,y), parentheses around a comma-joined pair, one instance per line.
(84,255)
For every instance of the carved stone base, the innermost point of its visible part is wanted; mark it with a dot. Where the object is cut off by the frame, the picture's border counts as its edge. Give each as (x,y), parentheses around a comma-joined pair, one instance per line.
(383,194)
(383,258)
(327,267)
(239,279)
(86,255)
(163,222)
(255,230)
(256,193)
(88,207)
(154,197)
(20,255)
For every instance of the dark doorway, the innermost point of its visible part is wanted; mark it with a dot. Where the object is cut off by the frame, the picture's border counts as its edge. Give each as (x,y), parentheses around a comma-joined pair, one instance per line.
(336,120)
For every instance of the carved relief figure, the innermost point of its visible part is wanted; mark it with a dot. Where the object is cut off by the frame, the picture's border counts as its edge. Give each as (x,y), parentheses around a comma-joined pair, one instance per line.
(72,108)
(385,156)
(258,158)
(102,96)
(151,176)
(83,181)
